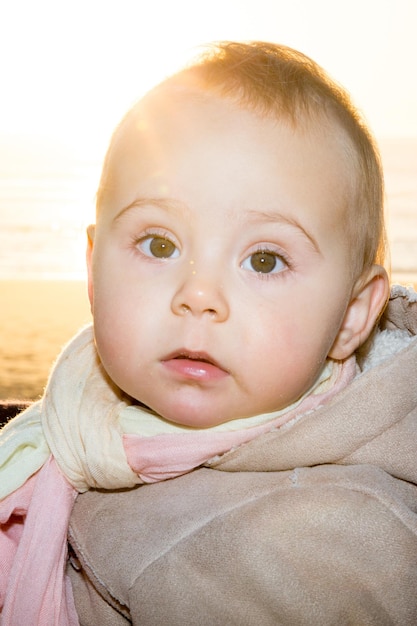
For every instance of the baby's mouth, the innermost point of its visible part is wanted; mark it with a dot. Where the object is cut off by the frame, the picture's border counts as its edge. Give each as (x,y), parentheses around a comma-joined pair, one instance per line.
(198,366)
(196,356)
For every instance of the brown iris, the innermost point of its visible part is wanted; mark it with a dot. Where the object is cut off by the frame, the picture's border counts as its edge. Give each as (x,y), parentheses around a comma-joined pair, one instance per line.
(161,248)
(263,262)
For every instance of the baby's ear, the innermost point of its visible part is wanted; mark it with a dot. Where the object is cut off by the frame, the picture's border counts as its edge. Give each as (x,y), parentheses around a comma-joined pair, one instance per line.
(369,297)
(91,230)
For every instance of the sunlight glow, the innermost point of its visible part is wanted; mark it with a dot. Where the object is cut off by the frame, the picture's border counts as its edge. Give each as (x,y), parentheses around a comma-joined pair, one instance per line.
(73,68)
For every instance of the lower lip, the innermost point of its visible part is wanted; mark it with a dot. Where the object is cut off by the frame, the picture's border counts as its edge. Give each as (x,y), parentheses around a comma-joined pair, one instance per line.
(195,370)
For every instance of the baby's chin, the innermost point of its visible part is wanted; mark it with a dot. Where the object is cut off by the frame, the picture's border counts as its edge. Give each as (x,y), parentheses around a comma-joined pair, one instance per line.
(193,421)
(191,418)
(186,418)
(204,414)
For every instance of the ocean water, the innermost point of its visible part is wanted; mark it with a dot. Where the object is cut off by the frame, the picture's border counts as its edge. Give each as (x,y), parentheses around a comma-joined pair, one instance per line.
(42,225)
(44,209)
(400,167)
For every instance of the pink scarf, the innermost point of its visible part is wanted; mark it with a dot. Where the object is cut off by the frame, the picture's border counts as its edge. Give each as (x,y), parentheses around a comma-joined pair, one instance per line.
(34,517)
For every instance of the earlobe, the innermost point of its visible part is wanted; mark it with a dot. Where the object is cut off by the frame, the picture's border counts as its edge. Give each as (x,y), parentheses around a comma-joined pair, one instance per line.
(369,297)
(91,229)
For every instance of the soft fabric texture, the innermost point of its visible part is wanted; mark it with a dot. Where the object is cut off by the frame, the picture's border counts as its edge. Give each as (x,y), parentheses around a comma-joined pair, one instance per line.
(312,523)
(83,434)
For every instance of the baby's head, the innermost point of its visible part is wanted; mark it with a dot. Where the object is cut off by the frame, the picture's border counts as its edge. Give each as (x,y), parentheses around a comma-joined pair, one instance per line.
(240,237)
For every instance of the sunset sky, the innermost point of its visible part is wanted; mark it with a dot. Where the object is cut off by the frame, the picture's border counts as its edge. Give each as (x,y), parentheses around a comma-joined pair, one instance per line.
(71,68)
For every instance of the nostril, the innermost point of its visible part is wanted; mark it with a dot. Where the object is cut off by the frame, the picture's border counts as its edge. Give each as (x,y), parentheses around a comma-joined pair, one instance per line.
(185,308)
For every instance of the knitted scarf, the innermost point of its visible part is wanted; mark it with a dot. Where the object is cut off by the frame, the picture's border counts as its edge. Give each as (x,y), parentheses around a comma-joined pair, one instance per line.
(84,434)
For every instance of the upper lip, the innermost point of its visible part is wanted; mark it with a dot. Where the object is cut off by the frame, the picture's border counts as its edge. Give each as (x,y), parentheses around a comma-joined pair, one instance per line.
(193,355)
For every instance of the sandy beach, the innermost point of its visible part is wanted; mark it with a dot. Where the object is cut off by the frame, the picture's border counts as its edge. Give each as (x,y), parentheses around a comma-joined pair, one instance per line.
(36,319)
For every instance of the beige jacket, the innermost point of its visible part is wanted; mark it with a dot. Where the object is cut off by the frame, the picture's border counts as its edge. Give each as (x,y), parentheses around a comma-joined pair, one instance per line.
(313,524)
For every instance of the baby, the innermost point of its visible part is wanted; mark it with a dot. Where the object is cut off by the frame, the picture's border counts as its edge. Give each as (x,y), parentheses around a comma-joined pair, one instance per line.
(239,238)
(236,266)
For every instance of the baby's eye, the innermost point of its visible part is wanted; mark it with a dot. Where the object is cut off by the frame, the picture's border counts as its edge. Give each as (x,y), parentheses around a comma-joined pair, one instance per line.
(264,262)
(158,247)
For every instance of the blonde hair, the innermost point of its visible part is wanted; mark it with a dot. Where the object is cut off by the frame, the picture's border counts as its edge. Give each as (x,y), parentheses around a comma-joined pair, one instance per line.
(277,80)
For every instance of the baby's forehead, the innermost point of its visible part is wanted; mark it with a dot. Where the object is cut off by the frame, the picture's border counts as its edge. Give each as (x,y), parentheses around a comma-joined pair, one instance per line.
(176,100)
(156,109)
(187,90)
(172,95)
(179,110)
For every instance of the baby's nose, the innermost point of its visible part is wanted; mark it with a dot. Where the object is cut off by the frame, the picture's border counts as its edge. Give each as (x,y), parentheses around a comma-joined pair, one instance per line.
(200,295)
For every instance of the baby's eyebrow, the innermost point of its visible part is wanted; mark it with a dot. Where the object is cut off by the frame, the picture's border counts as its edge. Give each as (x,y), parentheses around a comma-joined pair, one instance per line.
(167,204)
(178,208)
(273,216)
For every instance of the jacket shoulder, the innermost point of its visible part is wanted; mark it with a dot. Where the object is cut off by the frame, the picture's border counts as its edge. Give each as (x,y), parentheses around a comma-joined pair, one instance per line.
(308,546)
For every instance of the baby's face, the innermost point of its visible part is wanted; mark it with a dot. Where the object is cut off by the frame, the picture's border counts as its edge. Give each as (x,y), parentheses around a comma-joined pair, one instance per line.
(220,268)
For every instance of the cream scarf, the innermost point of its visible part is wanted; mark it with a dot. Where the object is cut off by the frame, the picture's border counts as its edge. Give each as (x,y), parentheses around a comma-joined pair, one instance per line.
(84,434)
